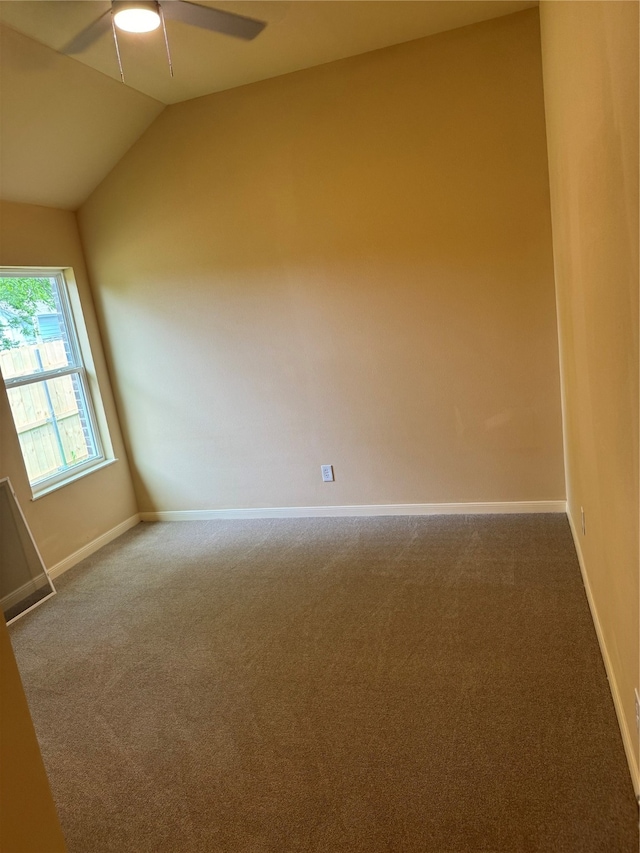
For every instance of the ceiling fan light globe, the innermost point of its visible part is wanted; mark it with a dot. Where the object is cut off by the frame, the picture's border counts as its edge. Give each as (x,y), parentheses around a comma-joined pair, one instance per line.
(134,20)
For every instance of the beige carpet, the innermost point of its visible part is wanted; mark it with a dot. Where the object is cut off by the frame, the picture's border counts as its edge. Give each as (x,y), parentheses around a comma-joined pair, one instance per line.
(391,685)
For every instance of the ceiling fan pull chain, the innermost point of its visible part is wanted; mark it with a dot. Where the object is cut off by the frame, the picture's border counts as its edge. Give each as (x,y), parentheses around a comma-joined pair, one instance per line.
(115,39)
(166,40)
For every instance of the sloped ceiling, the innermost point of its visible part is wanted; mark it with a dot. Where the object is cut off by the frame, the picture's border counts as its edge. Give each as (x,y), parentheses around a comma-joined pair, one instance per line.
(65,122)
(63,126)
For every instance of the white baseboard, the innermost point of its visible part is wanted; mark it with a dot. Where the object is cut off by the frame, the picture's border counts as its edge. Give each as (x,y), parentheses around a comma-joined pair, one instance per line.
(357,510)
(613,684)
(92,547)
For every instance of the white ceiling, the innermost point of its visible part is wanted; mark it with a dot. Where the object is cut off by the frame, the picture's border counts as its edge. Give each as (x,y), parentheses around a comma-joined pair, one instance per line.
(65,122)
(298,35)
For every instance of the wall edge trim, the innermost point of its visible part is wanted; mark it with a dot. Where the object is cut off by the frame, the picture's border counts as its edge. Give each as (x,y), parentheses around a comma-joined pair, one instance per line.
(93,546)
(357,510)
(632,760)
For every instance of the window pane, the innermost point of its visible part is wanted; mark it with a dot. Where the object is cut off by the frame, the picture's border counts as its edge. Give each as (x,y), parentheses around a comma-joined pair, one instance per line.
(53,425)
(33,330)
(53,414)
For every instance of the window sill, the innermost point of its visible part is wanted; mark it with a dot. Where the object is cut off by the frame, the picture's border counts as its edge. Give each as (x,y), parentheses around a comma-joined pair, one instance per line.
(47,490)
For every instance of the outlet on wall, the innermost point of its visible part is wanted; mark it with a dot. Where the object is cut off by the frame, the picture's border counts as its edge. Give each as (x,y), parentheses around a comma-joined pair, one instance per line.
(327,473)
(637,709)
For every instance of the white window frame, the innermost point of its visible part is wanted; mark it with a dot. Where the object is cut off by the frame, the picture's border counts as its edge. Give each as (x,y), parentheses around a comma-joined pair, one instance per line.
(89,390)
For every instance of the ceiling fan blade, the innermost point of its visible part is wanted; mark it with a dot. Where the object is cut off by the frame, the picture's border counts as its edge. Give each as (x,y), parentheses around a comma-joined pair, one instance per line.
(89,35)
(213,19)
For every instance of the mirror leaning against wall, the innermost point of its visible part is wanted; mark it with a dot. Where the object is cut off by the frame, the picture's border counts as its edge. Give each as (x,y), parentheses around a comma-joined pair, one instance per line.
(24,582)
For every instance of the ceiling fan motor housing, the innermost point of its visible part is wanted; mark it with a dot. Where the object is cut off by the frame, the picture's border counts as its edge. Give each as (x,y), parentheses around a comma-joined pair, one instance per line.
(136,15)
(121,5)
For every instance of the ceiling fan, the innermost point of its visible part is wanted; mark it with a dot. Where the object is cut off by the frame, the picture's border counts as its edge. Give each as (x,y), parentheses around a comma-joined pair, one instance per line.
(143,16)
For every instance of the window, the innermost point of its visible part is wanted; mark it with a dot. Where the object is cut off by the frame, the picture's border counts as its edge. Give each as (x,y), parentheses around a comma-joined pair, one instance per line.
(46,380)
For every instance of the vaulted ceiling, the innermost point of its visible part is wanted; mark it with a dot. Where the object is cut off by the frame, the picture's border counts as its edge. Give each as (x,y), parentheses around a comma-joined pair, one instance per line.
(66,121)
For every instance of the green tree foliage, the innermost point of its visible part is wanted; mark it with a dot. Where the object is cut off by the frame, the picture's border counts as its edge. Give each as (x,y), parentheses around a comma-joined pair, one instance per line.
(20,300)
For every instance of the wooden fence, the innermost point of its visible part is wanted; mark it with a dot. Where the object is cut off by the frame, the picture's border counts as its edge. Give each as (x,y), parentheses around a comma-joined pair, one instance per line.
(46,447)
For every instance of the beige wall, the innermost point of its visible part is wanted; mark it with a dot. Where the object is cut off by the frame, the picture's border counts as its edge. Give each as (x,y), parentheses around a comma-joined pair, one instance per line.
(70,518)
(590,61)
(350,265)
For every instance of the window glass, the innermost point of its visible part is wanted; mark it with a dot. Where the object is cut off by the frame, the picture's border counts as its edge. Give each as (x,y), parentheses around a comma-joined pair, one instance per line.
(44,374)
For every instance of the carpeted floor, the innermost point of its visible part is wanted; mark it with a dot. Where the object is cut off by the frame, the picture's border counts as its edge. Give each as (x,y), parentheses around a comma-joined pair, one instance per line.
(389,685)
